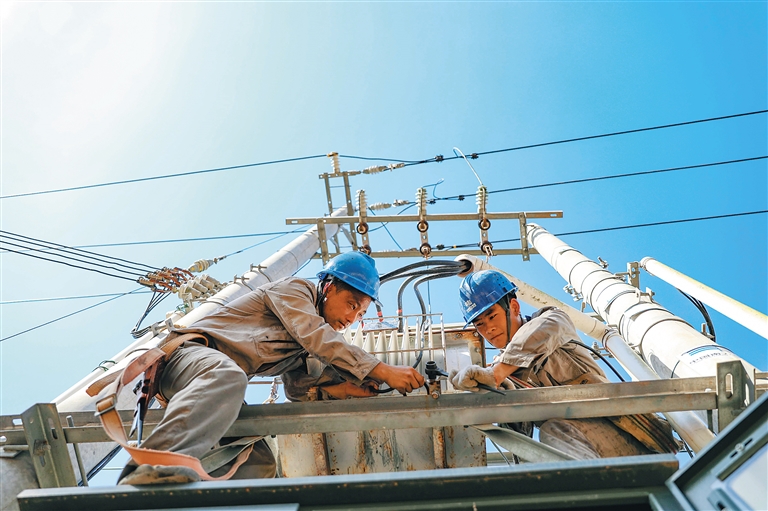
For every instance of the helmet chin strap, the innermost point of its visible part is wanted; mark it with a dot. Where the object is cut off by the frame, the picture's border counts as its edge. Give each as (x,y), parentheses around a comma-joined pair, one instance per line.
(322,291)
(504,303)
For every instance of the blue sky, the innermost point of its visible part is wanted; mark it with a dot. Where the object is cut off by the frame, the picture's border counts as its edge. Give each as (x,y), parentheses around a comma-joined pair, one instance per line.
(100,92)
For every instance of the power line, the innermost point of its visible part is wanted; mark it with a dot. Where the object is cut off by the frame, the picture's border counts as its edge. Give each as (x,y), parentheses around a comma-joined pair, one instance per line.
(166,176)
(438,158)
(68,315)
(60,298)
(602,178)
(441,158)
(33,243)
(606,229)
(180,240)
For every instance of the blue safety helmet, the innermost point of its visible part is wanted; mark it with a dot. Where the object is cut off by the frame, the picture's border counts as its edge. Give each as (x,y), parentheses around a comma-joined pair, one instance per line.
(480,290)
(355,269)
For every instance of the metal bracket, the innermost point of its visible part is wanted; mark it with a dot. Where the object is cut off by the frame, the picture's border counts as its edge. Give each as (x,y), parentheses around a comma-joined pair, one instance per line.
(735,391)
(421,201)
(526,251)
(323,240)
(632,275)
(48,446)
(326,177)
(362,224)
(483,223)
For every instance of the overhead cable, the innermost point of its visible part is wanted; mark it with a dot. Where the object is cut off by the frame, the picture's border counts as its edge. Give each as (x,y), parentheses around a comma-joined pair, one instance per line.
(438,158)
(602,178)
(61,298)
(606,229)
(69,315)
(37,244)
(166,176)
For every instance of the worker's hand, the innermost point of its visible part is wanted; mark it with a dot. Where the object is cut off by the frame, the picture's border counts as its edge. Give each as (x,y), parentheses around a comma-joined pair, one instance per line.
(469,377)
(346,390)
(401,378)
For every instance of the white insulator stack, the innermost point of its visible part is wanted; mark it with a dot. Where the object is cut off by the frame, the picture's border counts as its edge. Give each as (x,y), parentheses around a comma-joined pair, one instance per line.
(481,198)
(201,265)
(362,203)
(421,200)
(378,206)
(201,287)
(335,162)
(375,169)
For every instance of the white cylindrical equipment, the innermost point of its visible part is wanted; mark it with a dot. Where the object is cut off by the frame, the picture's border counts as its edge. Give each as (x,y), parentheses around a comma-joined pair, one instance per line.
(666,342)
(737,311)
(688,425)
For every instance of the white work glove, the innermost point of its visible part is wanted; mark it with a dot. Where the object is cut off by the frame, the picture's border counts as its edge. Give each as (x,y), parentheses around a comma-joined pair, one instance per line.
(469,377)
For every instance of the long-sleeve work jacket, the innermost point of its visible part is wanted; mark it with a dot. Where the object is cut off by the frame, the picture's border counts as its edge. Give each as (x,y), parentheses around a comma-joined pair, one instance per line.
(274,328)
(542,350)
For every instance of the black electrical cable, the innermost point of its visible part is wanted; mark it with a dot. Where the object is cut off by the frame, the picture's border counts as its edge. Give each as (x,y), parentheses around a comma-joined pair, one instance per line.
(441,158)
(61,298)
(600,356)
(76,251)
(154,301)
(72,265)
(71,314)
(606,229)
(438,158)
(703,310)
(184,240)
(298,229)
(602,178)
(166,176)
(69,258)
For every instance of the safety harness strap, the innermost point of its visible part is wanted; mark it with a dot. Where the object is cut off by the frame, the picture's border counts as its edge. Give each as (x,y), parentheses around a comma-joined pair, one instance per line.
(110,419)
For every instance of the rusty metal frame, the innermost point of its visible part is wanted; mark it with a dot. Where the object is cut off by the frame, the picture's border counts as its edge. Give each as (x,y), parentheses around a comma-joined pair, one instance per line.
(577,401)
(48,446)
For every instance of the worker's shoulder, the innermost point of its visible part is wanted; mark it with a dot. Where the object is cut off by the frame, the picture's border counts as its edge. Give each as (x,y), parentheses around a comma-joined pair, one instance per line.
(550,313)
(290,283)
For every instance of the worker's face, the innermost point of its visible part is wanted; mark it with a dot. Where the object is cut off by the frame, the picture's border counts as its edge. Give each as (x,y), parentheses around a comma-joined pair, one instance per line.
(492,324)
(342,307)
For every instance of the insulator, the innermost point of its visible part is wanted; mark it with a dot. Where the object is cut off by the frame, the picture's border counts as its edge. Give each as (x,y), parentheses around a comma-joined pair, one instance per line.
(362,204)
(379,206)
(400,202)
(375,169)
(421,199)
(335,162)
(201,265)
(481,198)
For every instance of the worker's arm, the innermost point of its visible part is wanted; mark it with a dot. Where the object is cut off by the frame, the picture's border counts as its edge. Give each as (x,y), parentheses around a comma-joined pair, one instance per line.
(403,378)
(293,302)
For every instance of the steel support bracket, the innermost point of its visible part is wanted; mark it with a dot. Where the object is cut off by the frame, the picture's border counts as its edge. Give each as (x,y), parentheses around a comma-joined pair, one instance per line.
(735,391)
(526,251)
(48,446)
(323,238)
(362,224)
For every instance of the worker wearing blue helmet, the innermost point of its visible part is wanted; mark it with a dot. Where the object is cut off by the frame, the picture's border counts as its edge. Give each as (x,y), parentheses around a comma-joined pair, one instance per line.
(291,328)
(540,350)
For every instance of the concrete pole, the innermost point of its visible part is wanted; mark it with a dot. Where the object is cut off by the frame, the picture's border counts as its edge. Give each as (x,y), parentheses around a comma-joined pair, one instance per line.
(688,425)
(18,474)
(737,311)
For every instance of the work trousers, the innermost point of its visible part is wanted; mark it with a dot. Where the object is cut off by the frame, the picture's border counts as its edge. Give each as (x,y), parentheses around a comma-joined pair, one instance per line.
(586,439)
(204,389)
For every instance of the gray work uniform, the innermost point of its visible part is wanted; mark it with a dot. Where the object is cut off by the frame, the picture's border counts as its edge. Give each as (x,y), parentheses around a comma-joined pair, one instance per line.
(545,357)
(267,332)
